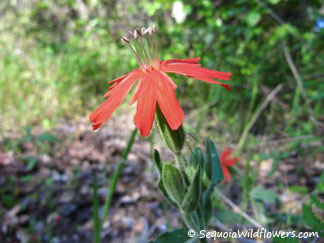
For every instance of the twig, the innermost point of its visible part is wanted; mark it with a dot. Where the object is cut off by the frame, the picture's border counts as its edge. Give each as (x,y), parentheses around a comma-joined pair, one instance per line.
(239,210)
(256,116)
(300,84)
(271,12)
(276,100)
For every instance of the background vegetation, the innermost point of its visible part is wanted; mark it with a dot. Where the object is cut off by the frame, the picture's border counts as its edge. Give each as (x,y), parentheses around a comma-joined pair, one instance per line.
(57,56)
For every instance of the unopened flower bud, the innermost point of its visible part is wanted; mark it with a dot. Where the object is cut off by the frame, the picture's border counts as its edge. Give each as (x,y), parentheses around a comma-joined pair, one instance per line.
(143,31)
(149,30)
(137,33)
(131,35)
(124,39)
(154,28)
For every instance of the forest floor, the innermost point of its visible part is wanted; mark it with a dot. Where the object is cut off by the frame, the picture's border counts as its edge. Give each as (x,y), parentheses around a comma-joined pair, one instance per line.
(46,185)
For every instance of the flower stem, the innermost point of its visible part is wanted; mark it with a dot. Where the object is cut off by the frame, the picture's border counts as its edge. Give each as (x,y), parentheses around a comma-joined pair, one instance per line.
(117,174)
(179,162)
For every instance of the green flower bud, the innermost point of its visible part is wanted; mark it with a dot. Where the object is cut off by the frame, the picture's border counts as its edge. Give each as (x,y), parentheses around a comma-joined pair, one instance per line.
(174,139)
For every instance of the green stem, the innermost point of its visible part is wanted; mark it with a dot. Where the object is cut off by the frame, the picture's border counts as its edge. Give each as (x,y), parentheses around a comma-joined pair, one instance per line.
(203,240)
(179,161)
(117,174)
(189,221)
(96,220)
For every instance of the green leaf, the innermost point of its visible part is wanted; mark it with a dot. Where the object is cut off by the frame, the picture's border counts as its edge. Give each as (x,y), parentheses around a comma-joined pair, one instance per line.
(174,236)
(46,137)
(310,219)
(266,195)
(317,202)
(302,190)
(31,162)
(192,197)
(158,164)
(173,183)
(197,158)
(253,18)
(213,167)
(230,217)
(165,194)
(208,207)
(157,161)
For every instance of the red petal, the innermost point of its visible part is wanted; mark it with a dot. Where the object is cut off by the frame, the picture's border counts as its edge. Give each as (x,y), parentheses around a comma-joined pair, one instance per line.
(225,154)
(134,75)
(230,162)
(167,100)
(216,74)
(136,93)
(118,79)
(190,60)
(226,173)
(146,103)
(169,80)
(113,86)
(192,70)
(117,95)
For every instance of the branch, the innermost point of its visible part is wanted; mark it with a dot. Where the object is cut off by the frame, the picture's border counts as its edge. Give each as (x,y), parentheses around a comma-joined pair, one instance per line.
(300,84)
(239,210)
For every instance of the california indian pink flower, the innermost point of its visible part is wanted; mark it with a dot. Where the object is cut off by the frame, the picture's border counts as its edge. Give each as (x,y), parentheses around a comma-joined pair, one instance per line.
(227,162)
(154,86)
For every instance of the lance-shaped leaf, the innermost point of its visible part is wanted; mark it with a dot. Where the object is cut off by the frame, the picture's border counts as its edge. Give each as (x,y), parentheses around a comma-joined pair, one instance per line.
(213,167)
(191,199)
(158,164)
(157,161)
(197,158)
(173,183)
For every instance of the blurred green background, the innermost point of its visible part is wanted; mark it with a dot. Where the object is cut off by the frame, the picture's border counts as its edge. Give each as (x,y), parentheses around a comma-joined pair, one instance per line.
(57,56)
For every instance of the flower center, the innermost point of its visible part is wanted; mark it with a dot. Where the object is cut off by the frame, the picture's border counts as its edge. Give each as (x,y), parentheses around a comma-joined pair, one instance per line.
(143,45)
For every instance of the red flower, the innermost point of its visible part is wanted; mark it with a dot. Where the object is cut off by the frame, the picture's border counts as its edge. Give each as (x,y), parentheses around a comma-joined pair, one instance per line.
(227,162)
(154,86)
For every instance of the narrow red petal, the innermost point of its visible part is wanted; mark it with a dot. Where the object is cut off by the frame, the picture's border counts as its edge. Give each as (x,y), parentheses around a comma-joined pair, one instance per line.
(169,80)
(225,154)
(189,60)
(117,95)
(194,71)
(113,86)
(145,109)
(167,100)
(136,93)
(118,79)
(216,74)
(229,162)
(226,173)
(134,75)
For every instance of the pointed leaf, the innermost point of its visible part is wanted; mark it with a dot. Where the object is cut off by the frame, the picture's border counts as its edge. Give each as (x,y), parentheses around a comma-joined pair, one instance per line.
(173,183)
(197,158)
(192,197)
(213,167)
(157,161)
(165,194)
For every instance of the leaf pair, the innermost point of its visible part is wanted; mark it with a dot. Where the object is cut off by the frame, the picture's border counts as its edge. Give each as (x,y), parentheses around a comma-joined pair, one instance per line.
(171,183)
